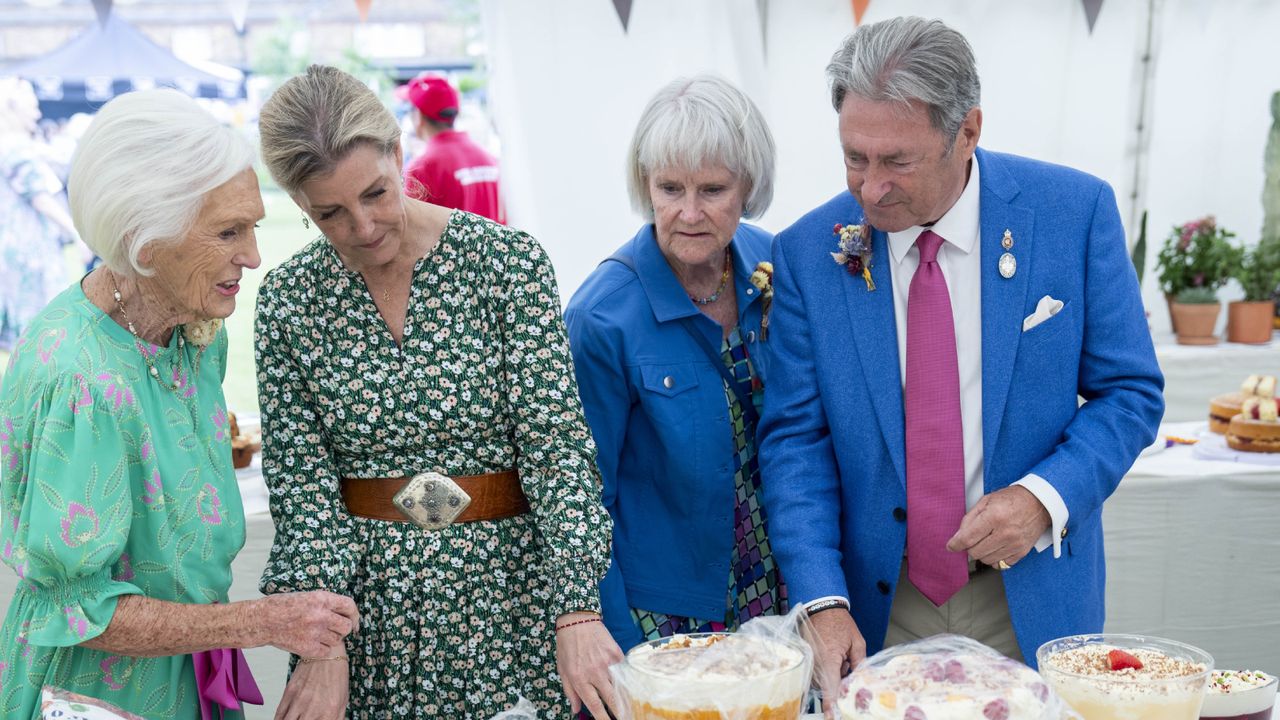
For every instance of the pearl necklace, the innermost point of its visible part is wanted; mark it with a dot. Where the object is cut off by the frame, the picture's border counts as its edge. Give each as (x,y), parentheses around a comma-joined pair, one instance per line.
(138,341)
(724,282)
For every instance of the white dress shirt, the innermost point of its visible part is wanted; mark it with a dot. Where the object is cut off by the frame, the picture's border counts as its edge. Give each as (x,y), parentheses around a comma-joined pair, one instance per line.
(960,259)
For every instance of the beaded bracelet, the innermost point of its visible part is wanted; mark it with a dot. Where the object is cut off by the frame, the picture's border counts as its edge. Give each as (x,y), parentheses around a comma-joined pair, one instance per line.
(825,605)
(303,661)
(577,622)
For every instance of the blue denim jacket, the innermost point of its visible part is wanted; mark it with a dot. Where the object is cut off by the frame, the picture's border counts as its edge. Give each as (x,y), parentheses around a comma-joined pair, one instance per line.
(657,409)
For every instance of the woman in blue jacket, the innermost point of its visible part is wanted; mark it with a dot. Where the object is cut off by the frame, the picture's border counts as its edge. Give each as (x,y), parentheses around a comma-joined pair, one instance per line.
(667,339)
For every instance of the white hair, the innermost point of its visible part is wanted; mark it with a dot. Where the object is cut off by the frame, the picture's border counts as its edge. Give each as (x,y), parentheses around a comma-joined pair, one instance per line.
(699,121)
(142,170)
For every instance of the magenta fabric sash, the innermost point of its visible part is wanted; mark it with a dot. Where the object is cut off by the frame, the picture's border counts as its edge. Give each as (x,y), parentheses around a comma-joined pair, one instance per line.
(223,679)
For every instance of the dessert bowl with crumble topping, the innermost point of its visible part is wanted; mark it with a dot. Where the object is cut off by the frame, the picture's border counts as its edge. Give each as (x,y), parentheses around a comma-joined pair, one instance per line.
(1127,677)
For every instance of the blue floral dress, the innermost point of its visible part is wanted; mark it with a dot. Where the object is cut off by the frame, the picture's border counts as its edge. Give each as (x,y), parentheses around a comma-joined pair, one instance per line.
(32,271)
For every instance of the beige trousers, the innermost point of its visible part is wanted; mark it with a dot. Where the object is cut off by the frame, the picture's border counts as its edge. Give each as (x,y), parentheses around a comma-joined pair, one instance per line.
(979,610)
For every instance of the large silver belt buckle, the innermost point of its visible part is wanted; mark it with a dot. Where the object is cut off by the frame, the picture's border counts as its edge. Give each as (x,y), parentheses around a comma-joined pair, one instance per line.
(431,501)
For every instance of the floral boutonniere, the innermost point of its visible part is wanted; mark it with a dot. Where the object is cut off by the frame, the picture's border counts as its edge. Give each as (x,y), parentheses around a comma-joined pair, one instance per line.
(762,278)
(855,251)
(202,333)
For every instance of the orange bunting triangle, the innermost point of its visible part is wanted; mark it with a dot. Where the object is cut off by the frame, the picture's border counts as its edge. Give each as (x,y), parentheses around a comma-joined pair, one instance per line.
(362,7)
(859,9)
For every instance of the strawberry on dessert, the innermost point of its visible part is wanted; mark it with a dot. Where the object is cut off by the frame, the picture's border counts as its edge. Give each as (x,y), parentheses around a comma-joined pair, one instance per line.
(1121,660)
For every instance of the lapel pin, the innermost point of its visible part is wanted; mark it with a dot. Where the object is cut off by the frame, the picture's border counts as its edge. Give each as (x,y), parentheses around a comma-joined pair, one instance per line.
(1008,263)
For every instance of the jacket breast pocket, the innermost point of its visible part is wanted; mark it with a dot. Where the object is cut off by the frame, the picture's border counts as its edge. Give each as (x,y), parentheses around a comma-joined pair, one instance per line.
(668,381)
(669,403)
(1054,326)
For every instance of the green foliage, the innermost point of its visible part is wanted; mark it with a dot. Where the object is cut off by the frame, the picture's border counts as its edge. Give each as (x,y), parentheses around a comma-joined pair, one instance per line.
(1202,295)
(1139,255)
(1258,270)
(1197,254)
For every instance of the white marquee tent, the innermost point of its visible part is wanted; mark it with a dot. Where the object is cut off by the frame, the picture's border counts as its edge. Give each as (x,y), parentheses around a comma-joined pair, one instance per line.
(568,83)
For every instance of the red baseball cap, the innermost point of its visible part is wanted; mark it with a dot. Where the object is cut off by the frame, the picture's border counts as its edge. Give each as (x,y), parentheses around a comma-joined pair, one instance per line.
(433,95)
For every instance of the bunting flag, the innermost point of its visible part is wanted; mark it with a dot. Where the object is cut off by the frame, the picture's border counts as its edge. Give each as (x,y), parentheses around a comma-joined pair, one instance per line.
(103,9)
(239,13)
(1091,10)
(624,12)
(362,7)
(860,9)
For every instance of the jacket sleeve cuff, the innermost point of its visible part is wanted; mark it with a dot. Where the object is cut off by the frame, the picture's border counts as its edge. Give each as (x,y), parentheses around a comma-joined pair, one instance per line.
(1058,515)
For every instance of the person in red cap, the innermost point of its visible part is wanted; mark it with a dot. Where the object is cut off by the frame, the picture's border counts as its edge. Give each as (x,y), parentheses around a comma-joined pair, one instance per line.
(452,171)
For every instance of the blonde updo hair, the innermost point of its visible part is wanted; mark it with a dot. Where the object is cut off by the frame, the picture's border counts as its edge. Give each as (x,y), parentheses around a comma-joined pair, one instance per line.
(310,124)
(142,169)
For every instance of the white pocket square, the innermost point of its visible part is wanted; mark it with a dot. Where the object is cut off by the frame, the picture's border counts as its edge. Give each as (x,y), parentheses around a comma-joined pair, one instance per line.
(1045,309)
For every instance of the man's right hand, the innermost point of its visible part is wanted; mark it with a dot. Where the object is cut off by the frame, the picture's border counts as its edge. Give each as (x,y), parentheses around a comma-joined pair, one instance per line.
(837,648)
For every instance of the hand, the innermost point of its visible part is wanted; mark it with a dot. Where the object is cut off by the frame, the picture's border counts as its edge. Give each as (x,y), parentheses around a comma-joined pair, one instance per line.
(837,647)
(316,691)
(1004,525)
(583,655)
(307,624)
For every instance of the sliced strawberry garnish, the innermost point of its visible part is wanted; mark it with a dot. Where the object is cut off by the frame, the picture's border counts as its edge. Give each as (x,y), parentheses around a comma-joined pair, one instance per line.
(1121,660)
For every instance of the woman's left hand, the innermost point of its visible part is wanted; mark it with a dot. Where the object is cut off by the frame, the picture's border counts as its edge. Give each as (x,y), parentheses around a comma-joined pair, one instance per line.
(316,691)
(584,653)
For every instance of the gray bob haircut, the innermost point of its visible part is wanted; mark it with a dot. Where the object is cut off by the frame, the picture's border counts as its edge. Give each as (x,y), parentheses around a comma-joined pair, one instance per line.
(142,170)
(697,122)
(312,121)
(905,59)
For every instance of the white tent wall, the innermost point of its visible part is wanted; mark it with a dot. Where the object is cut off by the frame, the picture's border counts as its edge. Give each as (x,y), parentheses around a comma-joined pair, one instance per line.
(568,85)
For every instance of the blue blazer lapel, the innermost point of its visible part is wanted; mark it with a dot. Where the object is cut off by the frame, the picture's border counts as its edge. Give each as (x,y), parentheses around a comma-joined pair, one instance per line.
(875,335)
(1003,299)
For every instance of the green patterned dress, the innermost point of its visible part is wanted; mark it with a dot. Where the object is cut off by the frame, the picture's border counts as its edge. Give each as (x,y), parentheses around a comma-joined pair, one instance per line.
(110,485)
(454,623)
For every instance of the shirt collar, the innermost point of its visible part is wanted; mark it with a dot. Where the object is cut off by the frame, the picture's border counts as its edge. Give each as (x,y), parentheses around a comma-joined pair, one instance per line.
(958,226)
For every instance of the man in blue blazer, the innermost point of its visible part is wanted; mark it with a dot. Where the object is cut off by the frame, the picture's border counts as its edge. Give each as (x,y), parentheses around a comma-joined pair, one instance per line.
(928,463)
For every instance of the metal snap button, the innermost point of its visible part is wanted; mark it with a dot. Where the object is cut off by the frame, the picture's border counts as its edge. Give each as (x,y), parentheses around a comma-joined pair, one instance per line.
(668,382)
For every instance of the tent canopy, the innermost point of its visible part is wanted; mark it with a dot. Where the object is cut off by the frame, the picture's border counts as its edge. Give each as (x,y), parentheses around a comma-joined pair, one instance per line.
(111,58)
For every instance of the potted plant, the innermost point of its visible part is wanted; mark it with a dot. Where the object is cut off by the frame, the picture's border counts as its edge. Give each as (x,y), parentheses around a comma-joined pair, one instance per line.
(1196,309)
(1196,255)
(1258,272)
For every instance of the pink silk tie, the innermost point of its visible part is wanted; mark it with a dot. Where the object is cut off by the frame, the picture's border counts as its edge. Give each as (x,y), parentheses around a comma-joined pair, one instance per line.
(935,440)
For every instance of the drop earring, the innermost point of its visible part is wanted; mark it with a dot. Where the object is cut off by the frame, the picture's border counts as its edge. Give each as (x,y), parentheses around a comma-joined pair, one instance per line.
(306,223)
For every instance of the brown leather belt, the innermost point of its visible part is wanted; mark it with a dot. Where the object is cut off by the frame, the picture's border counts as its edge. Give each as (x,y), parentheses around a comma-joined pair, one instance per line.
(494,496)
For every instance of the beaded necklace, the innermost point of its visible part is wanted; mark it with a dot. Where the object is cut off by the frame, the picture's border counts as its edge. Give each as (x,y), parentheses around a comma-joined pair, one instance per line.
(138,341)
(724,282)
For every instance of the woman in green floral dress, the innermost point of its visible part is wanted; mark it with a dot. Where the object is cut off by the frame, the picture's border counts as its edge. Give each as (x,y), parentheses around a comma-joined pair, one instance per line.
(410,338)
(121,511)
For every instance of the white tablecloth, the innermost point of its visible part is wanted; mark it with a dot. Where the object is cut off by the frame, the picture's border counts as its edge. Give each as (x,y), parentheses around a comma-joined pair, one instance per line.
(1195,373)
(1193,554)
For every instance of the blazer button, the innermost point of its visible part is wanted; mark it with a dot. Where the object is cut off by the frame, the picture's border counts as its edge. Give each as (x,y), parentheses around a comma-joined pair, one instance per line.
(751,291)
(668,382)
(899,514)
(751,336)
(1064,532)
(883,587)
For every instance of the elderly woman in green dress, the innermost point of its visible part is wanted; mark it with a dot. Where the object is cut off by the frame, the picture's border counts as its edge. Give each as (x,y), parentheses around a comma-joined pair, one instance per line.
(121,511)
(411,339)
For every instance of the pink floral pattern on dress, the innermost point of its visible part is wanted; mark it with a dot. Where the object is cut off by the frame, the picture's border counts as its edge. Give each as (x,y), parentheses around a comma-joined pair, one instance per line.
(79,526)
(11,451)
(83,399)
(213,513)
(219,418)
(108,674)
(124,573)
(48,342)
(76,620)
(153,489)
(117,391)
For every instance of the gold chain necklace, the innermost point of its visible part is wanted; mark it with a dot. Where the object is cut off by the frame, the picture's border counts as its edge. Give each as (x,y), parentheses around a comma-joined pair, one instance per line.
(724,282)
(138,341)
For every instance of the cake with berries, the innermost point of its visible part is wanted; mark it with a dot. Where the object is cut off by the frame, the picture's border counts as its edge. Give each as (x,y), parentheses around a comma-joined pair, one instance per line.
(715,675)
(1257,426)
(1224,407)
(945,678)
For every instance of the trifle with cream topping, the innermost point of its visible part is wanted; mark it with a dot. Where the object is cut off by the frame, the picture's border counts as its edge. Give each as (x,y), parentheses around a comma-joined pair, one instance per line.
(1127,677)
(715,676)
(1239,695)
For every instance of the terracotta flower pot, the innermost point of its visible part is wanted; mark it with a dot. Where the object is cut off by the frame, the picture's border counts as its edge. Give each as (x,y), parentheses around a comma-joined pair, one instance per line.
(1250,322)
(1195,322)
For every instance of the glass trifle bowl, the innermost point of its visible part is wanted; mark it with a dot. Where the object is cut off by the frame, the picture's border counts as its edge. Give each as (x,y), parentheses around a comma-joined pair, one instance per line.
(723,676)
(1239,695)
(1110,676)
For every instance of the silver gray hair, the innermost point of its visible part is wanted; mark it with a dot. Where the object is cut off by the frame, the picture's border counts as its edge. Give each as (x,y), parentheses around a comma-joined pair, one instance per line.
(142,170)
(905,59)
(699,121)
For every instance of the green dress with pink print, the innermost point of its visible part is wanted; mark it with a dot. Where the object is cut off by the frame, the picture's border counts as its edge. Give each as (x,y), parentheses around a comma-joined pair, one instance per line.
(110,484)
